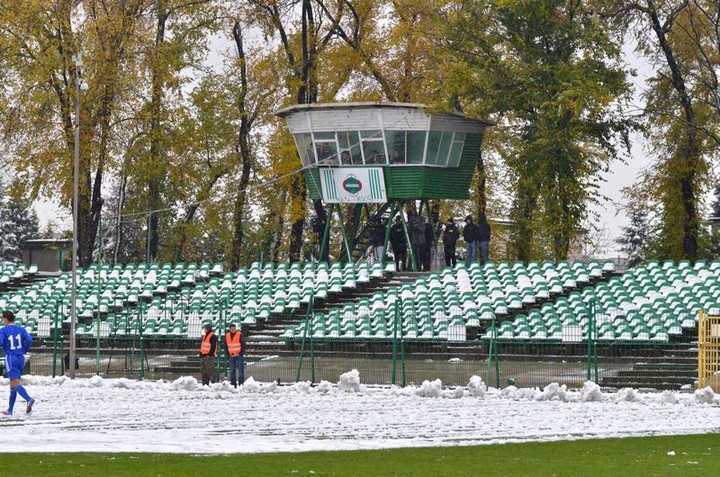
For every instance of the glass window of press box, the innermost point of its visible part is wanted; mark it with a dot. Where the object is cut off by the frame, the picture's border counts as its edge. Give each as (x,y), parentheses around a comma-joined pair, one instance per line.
(381,147)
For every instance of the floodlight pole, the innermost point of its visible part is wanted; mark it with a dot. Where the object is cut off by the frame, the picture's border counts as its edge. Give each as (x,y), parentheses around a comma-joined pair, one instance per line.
(76,173)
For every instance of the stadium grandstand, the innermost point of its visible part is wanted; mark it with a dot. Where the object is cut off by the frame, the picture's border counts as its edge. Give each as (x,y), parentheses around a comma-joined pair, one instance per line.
(151,316)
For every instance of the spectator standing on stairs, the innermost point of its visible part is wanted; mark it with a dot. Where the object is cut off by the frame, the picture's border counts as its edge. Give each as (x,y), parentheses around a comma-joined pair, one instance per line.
(417,238)
(471,234)
(450,236)
(484,238)
(377,238)
(399,244)
(429,249)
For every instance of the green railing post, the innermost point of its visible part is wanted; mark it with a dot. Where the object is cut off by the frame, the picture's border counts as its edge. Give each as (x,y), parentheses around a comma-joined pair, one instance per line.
(142,356)
(97,324)
(588,359)
(413,259)
(493,354)
(595,338)
(311,312)
(497,367)
(221,362)
(388,226)
(326,233)
(394,342)
(308,319)
(97,343)
(402,356)
(54,329)
(302,351)
(346,244)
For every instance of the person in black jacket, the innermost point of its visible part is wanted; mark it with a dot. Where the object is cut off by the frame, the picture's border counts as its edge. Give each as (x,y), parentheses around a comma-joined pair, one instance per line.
(399,244)
(484,237)
(377,238)
(471,234)
(450,236)
(429,247)
(417,238)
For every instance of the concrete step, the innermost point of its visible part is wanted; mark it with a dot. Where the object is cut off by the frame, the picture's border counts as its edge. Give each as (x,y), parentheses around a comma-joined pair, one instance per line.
(658,382)
(673,367)
(653,373)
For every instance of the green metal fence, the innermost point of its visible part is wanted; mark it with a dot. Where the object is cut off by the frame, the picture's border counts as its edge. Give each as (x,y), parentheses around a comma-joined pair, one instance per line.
(395,359)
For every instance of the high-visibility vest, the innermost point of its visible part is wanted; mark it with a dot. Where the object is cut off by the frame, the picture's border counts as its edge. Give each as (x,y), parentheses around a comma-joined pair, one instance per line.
(206,344)
(234,343)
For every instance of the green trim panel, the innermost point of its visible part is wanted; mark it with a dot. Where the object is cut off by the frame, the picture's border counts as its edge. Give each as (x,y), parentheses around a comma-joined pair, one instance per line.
(421,182)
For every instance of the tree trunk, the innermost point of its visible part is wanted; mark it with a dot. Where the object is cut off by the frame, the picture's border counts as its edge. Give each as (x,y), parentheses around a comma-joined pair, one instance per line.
(242,149)
(480,187)
(690,157)
(156,165)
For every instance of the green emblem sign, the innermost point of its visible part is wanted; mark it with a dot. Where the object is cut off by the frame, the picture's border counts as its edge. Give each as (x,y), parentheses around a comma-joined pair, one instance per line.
(352,185)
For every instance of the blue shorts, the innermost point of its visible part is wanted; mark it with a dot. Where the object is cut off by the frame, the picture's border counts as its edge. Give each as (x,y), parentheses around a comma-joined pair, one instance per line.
(14,364)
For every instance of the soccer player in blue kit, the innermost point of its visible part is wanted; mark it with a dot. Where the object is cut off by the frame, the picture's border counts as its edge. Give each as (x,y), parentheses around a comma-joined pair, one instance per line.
(16,342)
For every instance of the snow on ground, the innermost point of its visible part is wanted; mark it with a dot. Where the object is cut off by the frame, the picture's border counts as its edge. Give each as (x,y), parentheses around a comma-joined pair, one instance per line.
(121,415)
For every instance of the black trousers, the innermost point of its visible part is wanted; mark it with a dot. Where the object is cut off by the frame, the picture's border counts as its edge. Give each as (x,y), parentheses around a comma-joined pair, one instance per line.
(207,369)
(450,258)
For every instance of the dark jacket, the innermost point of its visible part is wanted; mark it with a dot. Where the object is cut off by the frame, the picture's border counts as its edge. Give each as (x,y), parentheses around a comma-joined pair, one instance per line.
(429,235)
(450,235)
(484,231)
(377,234)
(417,231)
(471,233)
(397,237)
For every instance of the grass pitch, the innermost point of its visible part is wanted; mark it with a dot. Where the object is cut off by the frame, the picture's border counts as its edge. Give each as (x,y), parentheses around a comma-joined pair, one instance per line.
(645,456)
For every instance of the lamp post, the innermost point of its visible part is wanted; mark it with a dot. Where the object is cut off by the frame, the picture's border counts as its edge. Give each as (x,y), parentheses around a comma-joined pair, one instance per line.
(79,85)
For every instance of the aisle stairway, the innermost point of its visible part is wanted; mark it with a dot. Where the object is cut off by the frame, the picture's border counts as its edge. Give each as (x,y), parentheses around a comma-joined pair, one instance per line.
(264,338)
(675,370)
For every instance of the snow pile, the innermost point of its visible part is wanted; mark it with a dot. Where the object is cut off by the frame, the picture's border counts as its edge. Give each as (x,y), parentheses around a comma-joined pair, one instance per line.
(184,383)
(668,397)
(302,387)
(430,389)
(476,387)
(519,394)
(252,386)
(590,392)
(350,382)
(270,387)
(96,381)
(324,387)
(627,395)
(706,395)
(456,393)
(122,383)
(553,392)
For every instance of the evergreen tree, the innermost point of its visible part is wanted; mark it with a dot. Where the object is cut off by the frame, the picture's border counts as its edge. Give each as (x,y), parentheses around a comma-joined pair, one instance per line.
(18,222)
(715,214)
(715,225)
(635,238)
(7,234)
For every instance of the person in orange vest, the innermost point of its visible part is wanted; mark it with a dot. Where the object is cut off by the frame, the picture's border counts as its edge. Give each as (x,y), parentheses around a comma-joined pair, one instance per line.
(235,349)
(208,351)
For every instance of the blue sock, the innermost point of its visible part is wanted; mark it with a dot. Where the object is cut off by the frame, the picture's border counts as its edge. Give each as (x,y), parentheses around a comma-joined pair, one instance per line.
(13,396)
(23,394)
